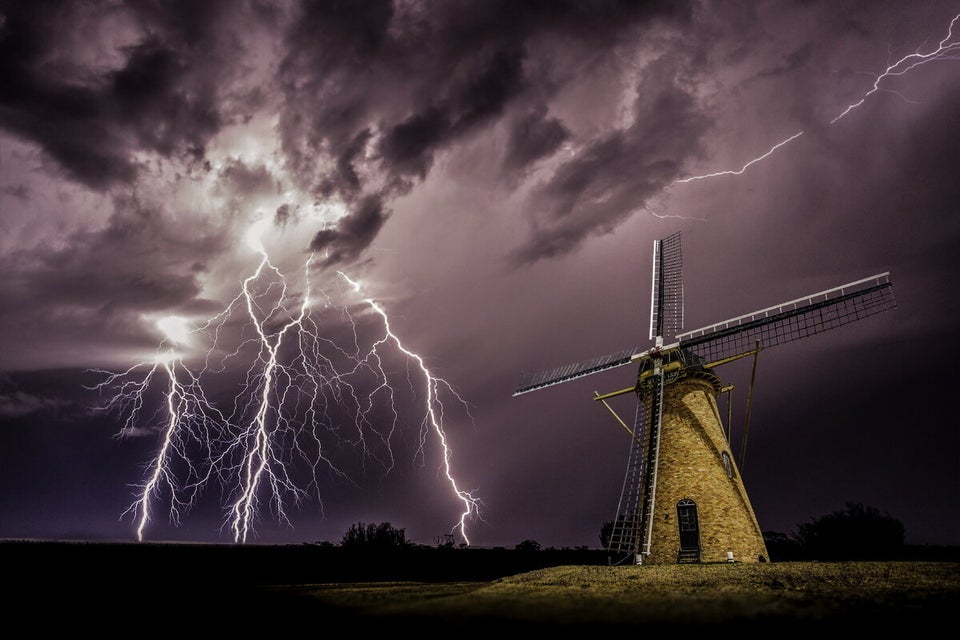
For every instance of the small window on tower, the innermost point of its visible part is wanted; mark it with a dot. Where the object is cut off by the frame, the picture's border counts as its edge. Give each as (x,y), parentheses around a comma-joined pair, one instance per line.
(727,463)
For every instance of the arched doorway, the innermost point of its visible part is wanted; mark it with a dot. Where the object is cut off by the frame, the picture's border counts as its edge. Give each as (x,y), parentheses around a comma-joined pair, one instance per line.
(689,531)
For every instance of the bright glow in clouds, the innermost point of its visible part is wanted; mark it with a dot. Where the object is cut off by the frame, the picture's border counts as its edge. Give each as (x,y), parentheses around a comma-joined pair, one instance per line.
(254,235)
(299,391)
(175,328)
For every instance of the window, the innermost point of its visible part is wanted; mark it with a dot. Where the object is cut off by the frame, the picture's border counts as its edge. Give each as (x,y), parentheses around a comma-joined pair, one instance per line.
(687,515)
(727,463)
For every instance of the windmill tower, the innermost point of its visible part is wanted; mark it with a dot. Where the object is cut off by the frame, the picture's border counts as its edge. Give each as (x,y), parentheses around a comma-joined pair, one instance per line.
(683,499)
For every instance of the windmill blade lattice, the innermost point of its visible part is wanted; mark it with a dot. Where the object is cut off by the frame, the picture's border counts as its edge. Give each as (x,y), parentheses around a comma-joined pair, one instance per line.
(653,398)
(533,381)
(666,288)
(792,320)
(631,528)
(624,537)
(677,424)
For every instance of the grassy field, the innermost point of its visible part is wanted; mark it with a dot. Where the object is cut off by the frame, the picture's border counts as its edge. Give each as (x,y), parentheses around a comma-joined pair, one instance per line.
(781,597)
(237,589)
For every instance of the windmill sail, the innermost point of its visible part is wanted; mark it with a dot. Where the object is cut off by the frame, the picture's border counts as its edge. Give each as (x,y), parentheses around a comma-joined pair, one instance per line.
(533,381)
(666,288)
(681,478)
(785,322)
(623,535)
(792,320)
(666,318)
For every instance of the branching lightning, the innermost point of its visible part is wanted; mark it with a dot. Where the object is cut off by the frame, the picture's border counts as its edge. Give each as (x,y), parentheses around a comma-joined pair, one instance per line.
(947,49)
(189,421)
(301,392)
(433,417)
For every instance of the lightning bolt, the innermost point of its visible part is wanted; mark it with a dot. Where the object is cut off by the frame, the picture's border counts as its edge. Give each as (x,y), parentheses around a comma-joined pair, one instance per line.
(664,216)
(737,172)
(260,460)
(432,405)
(188,418)
(947,49)
(299,389)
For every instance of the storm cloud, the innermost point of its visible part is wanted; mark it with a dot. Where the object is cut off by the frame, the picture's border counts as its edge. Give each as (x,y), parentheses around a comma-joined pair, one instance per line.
(493,173)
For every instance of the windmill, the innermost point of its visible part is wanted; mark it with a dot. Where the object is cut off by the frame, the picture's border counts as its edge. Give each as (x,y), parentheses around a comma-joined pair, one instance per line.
(683,499)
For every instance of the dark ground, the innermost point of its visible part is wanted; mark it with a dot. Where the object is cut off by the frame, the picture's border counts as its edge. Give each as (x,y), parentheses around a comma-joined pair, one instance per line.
(129,589)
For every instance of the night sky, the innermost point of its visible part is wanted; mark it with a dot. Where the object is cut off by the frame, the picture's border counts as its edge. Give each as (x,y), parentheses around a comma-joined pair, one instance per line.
(495,174)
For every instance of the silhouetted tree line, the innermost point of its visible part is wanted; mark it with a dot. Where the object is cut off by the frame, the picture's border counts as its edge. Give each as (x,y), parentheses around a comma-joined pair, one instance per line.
(857,532)
(382,536)
(380,551)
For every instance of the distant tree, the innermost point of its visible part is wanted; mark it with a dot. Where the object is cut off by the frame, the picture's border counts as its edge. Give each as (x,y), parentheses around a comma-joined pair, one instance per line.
(324,544)
(528,546)
(445,541)
(381,537)
(857,533)
(782,547)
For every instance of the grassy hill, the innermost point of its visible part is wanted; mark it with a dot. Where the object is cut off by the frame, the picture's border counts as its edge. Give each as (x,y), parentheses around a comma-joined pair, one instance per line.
(463,592)
(792,596)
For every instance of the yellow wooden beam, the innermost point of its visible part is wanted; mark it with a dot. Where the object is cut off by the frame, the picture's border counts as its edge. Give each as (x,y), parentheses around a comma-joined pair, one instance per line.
(614,394)
(623,424)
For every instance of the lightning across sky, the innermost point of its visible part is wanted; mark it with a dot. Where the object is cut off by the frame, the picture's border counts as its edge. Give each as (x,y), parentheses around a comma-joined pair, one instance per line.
(313,379)
(948,48)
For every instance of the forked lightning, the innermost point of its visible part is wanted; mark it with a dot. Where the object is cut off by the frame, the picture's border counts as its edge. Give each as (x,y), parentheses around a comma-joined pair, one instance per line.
(299,388)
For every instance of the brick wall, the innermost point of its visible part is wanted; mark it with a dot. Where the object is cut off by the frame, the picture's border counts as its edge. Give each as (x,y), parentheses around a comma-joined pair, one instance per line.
(692,467)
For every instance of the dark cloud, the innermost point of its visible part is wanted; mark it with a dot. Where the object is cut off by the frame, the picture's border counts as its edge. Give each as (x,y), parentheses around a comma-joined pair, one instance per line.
(376,97)
(793,61)
(532,137)
(353,232)
(167,114)
(614,176)
(487,87)
(91,120)
(349,180)
(468,25)
(19,191)
(409,145)
(17,404)
(95,289)
(195,24)
(283,215)
(414,82)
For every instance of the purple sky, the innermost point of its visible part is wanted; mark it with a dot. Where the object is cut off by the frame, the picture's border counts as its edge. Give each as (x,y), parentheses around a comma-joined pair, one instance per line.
(495,174)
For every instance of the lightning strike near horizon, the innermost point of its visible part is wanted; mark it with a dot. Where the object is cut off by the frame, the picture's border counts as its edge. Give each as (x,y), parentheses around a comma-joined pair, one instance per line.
(947,49)
(302,394)
(188,420)
(433,407)
(259,459)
